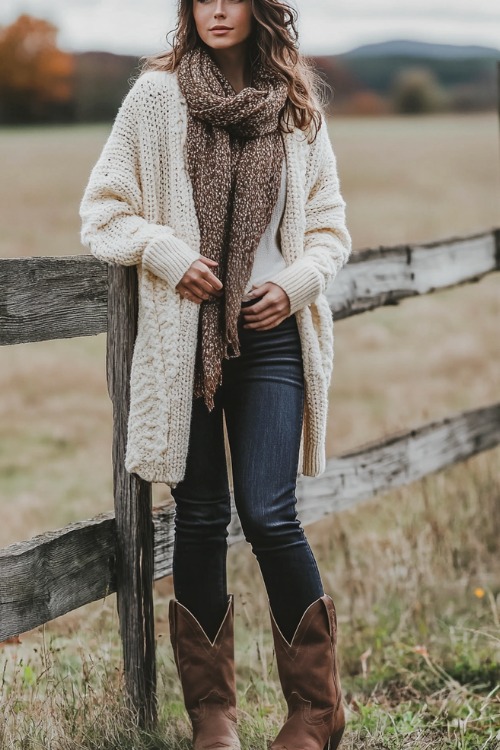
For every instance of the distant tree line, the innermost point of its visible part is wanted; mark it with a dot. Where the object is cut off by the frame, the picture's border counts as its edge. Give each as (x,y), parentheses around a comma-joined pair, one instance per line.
(36,78)
(409,85)
(39,83)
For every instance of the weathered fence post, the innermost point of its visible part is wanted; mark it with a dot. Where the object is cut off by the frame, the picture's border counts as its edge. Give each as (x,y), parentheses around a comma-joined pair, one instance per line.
(133,507)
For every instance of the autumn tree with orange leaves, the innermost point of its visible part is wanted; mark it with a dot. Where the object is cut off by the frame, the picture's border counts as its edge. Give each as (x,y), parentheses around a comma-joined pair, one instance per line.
(36,78)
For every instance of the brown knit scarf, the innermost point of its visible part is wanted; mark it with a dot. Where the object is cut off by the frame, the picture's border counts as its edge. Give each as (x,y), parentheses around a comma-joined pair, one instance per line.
(235,152)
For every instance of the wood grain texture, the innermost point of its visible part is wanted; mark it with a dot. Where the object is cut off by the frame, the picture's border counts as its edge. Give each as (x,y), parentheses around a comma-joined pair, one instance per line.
(386,275)
(133,508)
(56,572)
(52,298)
(401,459)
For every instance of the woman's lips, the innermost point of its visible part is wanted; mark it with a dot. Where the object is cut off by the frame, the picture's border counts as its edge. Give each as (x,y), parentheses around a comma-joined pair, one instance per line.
(220,32)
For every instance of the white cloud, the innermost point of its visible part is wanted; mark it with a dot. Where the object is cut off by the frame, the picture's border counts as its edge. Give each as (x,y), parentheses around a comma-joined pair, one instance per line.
(347,33)
(324,25)
(392,9)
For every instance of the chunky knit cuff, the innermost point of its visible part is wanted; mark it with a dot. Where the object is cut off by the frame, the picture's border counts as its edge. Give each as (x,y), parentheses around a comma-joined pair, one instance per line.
(301,281)
(169,258)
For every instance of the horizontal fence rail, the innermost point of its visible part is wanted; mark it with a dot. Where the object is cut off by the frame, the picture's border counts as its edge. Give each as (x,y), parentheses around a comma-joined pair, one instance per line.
(44,298)
(385,276)
(52,298)
(59,571)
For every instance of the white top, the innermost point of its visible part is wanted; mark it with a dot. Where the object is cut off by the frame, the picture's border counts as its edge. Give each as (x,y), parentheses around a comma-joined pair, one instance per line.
(268,256)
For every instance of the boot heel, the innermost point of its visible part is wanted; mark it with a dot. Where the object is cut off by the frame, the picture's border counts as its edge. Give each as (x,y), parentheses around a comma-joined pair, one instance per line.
(334,740)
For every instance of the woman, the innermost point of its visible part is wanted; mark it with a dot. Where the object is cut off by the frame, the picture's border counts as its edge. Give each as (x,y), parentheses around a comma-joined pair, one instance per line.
(218,181)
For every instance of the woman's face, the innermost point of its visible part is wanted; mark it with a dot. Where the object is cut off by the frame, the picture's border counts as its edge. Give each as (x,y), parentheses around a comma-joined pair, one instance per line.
(235,15)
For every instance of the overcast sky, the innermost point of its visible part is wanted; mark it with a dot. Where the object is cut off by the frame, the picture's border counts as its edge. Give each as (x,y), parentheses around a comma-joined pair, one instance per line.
(326,26)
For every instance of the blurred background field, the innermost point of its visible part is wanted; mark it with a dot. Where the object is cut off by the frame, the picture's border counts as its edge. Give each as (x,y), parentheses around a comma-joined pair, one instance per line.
(414,573)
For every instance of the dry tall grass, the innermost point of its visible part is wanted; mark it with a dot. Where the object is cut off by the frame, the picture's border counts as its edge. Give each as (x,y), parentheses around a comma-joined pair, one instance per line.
(415,579)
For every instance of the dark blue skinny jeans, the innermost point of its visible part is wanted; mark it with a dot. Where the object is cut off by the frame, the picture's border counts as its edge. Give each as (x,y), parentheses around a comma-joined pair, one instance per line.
(262,397)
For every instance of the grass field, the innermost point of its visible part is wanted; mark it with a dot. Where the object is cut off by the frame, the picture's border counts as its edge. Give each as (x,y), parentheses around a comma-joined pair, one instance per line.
(414,573)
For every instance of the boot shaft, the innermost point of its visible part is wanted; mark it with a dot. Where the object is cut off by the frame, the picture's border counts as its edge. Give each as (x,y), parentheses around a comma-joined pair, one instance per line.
(308,665)
(203,667)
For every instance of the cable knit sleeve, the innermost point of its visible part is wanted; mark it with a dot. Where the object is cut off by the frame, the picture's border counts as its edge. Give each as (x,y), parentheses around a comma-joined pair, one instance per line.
(111,210)
(327,242)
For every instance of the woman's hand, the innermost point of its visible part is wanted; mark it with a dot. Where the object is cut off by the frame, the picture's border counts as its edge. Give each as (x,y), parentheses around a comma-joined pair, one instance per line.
(199,283)
(269,311)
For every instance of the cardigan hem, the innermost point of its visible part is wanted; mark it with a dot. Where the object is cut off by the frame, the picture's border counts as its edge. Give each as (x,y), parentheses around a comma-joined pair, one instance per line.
(151,472)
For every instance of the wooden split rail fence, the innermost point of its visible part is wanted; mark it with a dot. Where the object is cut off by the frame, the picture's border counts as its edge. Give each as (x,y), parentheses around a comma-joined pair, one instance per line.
(44,298)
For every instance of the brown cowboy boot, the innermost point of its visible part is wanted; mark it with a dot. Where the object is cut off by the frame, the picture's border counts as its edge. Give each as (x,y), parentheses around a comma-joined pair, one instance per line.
(206,671)
(309,676)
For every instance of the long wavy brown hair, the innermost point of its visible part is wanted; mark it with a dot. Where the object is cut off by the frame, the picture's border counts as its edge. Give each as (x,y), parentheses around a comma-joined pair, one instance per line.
(274,43)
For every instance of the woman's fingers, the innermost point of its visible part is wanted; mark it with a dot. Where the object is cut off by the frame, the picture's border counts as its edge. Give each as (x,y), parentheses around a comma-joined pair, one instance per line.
(269,311)
(265,325)
(186,293)
(268,322)
(205,275)
(210,277)
(203,289)
(269,327)
(201,266)
(199,283)
(209,261)
(265,314)
(273,300)
(262,314)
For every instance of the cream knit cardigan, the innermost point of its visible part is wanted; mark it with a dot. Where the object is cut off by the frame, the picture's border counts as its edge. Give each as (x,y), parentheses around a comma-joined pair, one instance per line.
(138,209)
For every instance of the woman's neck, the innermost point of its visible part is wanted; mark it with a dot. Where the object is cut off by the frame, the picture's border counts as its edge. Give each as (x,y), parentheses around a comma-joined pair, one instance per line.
(234,65)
